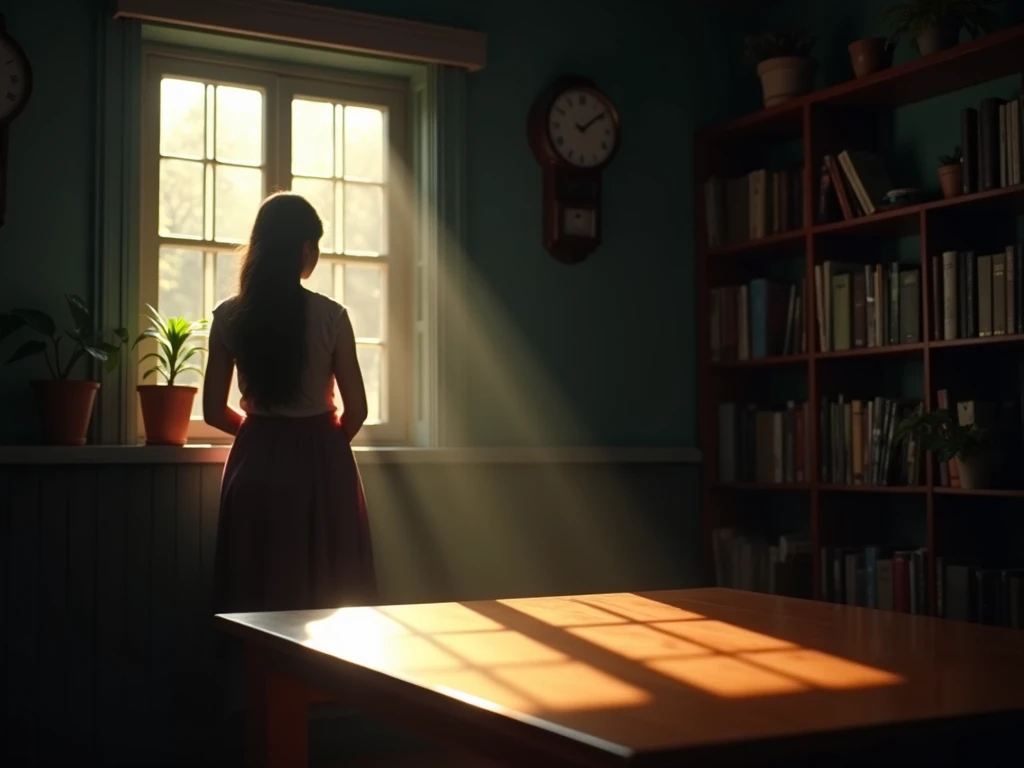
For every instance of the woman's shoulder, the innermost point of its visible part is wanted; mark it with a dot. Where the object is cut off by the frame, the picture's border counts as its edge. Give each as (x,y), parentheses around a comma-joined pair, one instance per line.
(324,306)
(226,308)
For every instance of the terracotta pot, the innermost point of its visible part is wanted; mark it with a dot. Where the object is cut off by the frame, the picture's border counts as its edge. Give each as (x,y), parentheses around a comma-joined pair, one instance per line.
(784,78)
(870,55)
(945,35)
(64,409)
(951,179)
(976,472)
(166,413)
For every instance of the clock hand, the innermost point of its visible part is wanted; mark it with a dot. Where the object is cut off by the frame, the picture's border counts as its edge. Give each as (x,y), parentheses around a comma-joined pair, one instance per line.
(593,120)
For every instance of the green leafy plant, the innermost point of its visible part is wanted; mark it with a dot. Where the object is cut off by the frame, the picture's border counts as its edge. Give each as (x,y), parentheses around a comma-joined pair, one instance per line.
(954,158)
(83,337)
(909,19)
(772,45)
(173,335)
(941,433)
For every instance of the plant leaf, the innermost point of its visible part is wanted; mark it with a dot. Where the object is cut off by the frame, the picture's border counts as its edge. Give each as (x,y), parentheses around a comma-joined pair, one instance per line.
(190,369)
(79,313)
(37,321)
(28,349)
(155,369)
(95,352)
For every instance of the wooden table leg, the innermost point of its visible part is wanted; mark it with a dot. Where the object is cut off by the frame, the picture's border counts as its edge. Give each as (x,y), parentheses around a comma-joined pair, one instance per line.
(277,720)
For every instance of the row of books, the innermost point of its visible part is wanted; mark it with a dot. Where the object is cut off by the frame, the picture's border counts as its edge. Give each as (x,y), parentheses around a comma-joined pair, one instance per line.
(764,446)
(753,564)
(983,595)
(867,305)
(757,320)
(859,446)
(977,295)
(892,579)
(853,184)
(992,140)
(753,206)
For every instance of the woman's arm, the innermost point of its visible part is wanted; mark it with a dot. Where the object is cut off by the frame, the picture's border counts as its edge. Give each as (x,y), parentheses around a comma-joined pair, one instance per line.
(217,384)
(350,378)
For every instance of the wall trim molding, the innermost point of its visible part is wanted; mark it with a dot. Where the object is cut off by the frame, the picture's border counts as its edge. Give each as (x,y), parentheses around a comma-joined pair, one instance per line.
(217,454)
(302,23)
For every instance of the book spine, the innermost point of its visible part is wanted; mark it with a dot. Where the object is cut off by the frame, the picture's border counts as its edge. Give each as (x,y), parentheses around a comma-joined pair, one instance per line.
(969,145)
(860,325)
(758,318)
(950,297)
(937,304)
(970,295)
(988,144)
(999,294)
(984,282)
(1011,289)
(910,307)
(894,303)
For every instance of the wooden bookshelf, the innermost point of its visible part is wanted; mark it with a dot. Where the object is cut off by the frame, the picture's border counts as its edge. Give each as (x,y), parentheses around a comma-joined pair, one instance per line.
(822,122)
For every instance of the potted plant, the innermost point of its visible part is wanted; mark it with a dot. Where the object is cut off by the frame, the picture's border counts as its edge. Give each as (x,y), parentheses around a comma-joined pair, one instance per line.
(870,55)
(64,404)
(784,64)
(951,173)
(941,434)
(935,25)
(167,408)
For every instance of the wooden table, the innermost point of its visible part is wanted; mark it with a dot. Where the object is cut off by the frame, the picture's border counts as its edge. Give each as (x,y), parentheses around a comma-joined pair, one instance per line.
(705,675)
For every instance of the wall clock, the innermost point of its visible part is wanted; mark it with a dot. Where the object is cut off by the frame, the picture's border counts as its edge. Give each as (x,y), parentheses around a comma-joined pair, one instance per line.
(15,89)
(574,134)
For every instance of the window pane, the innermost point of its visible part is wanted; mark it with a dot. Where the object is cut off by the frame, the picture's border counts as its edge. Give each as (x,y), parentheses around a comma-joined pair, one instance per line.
(339,140)
(181,199)
(322,279)
(182,118)
(312,138)
(370,364)
(181,283)
(320,194)
(225,276)
(364,144)
(364,219)
(239,193)
(364,297)
(239,125)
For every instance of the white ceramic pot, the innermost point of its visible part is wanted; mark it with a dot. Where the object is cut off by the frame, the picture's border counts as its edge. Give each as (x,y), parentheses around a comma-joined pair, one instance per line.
(784,78)
(976,471)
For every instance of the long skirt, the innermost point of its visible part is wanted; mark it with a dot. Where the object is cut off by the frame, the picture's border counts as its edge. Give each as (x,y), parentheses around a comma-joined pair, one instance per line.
(293,531)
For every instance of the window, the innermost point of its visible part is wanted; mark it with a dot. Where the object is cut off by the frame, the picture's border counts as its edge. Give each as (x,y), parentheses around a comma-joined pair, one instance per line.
(221,134)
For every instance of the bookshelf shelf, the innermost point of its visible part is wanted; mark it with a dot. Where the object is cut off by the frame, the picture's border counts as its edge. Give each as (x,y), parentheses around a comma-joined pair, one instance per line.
(902,489)
(892,349)
(734,148)
(997,493)
(781,243)
(980,341)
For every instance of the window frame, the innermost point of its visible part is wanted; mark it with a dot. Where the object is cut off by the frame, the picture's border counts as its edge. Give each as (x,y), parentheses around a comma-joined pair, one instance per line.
(279,82)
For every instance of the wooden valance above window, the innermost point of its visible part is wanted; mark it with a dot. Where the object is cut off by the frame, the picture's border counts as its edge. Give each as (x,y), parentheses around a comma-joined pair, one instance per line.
(306,24)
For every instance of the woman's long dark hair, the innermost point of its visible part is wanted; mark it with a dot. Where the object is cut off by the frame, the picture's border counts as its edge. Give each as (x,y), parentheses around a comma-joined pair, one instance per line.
(270,318)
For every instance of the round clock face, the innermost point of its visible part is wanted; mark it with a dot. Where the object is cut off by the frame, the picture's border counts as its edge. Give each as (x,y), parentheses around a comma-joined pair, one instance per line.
(581,127)
(14,79)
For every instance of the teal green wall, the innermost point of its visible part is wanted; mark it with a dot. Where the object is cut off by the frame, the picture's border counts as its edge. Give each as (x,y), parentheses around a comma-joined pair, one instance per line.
(608,346)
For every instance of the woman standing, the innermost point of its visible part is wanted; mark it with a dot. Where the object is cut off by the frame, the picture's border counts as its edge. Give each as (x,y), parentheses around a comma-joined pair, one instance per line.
(293,531)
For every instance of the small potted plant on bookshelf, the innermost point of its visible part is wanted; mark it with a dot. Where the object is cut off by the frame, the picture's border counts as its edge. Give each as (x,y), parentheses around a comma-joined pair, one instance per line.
(935,25)
(167,408)
(784,64)
(940,433)
(951,173)
(870,55)
(64,404)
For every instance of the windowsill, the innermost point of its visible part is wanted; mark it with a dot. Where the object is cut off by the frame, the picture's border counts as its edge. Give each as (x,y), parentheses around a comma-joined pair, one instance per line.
(217,454)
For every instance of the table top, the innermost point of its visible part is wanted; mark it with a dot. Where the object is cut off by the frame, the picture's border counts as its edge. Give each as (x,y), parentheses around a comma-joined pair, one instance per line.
(647,673)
